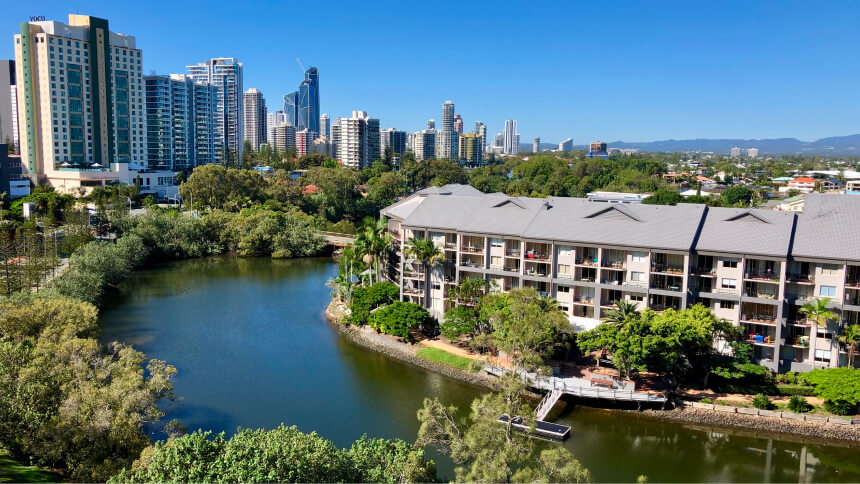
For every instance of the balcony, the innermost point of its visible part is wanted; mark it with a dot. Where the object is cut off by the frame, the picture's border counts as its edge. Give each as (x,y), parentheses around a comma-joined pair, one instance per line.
(472,249)
(617,265)
(666,283)
(764,276)
(852,298)
(760,339)
(511,268)
(756,318)
(667,269)
(472,264)
(538,272)
(798,278)
(760,291)
(586,262)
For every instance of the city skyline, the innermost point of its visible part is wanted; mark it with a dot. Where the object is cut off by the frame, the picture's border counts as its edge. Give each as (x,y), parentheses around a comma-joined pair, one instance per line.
(712,52)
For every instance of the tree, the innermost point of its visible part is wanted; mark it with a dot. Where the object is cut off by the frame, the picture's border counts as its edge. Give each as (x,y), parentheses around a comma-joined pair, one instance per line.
(850,337)
(623,311)
(394,461)
(487,451)
(398,318)
(526,326)
(664,196)
(818,313)
(215,186)
(310,160)
(373,242)
(367,298)
(737,196)
(839,387)
(425,252)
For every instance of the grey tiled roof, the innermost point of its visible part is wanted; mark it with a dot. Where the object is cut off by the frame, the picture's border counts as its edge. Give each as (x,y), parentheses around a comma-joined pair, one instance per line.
(829,227)
(747,231)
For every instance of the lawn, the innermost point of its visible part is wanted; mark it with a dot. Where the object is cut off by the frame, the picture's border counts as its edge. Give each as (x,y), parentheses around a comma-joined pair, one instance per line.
(13,471)
(442,356)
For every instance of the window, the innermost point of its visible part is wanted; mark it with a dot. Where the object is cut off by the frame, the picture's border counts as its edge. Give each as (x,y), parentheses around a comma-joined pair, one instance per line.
(564,307)
(823,332)
(640,257)
(728,304)
(563,289)
(563,270)
(565,250)
(496,261)
(496,243)
(729,283)
(636,298)
(730,263)
(827,291)
(822,355)
(637,276)
(830,269)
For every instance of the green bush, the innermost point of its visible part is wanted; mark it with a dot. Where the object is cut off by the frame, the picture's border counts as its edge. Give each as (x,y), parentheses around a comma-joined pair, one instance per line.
(382,460)
(398,318)
(798,404)
(368,298)
(840,407)
(789,378)
(707,400)
(761,401)
(803,390)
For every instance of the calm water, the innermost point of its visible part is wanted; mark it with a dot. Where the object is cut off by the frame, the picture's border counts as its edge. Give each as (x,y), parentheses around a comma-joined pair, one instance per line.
(252,347)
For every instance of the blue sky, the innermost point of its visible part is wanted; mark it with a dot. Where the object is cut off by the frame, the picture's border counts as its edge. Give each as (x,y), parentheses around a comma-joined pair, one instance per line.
(632,71)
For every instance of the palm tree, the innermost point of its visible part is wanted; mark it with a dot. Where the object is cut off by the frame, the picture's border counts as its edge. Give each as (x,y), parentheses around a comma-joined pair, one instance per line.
(373,243)
(622,313)
(850,337)
(425,252)
(818,313)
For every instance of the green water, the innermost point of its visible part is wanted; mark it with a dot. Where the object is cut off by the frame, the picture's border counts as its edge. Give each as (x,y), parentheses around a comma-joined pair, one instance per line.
(252,347)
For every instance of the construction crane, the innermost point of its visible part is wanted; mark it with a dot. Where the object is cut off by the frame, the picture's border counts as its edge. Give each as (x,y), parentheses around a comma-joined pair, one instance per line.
(300,62)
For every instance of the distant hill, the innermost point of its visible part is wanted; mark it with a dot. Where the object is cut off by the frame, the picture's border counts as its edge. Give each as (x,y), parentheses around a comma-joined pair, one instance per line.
(836,145)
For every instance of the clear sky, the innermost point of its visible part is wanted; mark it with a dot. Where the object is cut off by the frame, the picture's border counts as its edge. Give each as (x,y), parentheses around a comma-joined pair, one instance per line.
(636,71)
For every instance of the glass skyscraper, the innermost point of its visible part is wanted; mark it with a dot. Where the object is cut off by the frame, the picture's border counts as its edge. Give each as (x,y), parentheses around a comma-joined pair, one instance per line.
(309,102)
(291,108)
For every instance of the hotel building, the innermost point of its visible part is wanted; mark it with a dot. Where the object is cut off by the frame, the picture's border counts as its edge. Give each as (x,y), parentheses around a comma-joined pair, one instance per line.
(755,268)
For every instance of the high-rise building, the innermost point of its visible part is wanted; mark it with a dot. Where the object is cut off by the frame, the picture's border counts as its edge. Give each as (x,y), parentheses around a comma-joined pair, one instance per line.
(536,145)
(308,115)
(431,124)
(597,149)
(447,138)
(335,138)
(499,143)
(394,139)
(305,142)
(325,125)
(512,139)
(358,140)
(458,124)
(284,135)
(481,129)
(8,107)
(180,122)
(255,117)
(470,148)
(81,102)
(291,107)
(566,145)
(735,152)
(322,145)
(226,74)
(272,120)
(425,145)
(752,152)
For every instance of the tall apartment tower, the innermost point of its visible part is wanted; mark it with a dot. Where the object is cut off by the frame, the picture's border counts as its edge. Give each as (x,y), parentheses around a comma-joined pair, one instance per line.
(566,145)
(308,113)
(255,117)
(81,103)
(358,140)
(305,142)
(335,138)
(446,141)
(536,145)
(180,122)
(470,148)
(431,124)
(8,107)
(291,107)
(425,145)
(395,139)
(225,73)
(325,125)
(284,136)
(512,139)
(481,129)
(458,124)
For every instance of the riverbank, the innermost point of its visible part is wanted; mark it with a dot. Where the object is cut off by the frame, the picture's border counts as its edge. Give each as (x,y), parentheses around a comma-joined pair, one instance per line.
(390,346)
(683,412)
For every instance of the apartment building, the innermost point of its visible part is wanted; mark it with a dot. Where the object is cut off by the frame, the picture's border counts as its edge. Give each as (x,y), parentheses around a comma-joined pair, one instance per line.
(755,268)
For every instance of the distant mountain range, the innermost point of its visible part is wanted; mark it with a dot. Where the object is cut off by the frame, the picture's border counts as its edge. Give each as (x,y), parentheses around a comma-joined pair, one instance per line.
(836,145)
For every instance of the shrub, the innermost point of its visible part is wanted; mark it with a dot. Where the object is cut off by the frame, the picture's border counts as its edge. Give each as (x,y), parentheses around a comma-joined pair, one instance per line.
(707,400)
(803,390)
(368,298)
(761,401)
(798,404)
(398,318)
(381,460)
(839,387)
(789,378)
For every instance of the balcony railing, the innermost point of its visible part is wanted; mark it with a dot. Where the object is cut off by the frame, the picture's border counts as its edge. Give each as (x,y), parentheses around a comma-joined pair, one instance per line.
(512,252)
(511,268)
(634,284)
(468,263)
(668,269)
(762,275)
(852,300)
(583,300)
(587,262)
(760,339)
(618,264)
(801,278)
(758,318)
(760,295)
(853,282)
(472,249)
(537,256)
(536,273)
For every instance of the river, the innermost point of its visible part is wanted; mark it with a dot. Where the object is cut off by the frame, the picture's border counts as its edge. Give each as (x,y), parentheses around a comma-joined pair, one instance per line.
(252,347)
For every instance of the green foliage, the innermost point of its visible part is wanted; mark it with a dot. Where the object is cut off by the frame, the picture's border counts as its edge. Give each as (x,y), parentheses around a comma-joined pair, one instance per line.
(664,196)
(789,378)
(368,298)
(707,400)
(398,318)
(798,404)
(215,186)
(169,234)
(761,401)
(459,321)
(446,358)
(13,471)
(64,400)
(311,160)
(284,454)
(486,451)
(839,387)
(736,196)
(261,232)
(392,461)
(800,390)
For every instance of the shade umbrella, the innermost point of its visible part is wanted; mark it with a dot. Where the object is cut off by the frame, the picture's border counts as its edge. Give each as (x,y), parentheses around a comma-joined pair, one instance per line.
(65,164)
